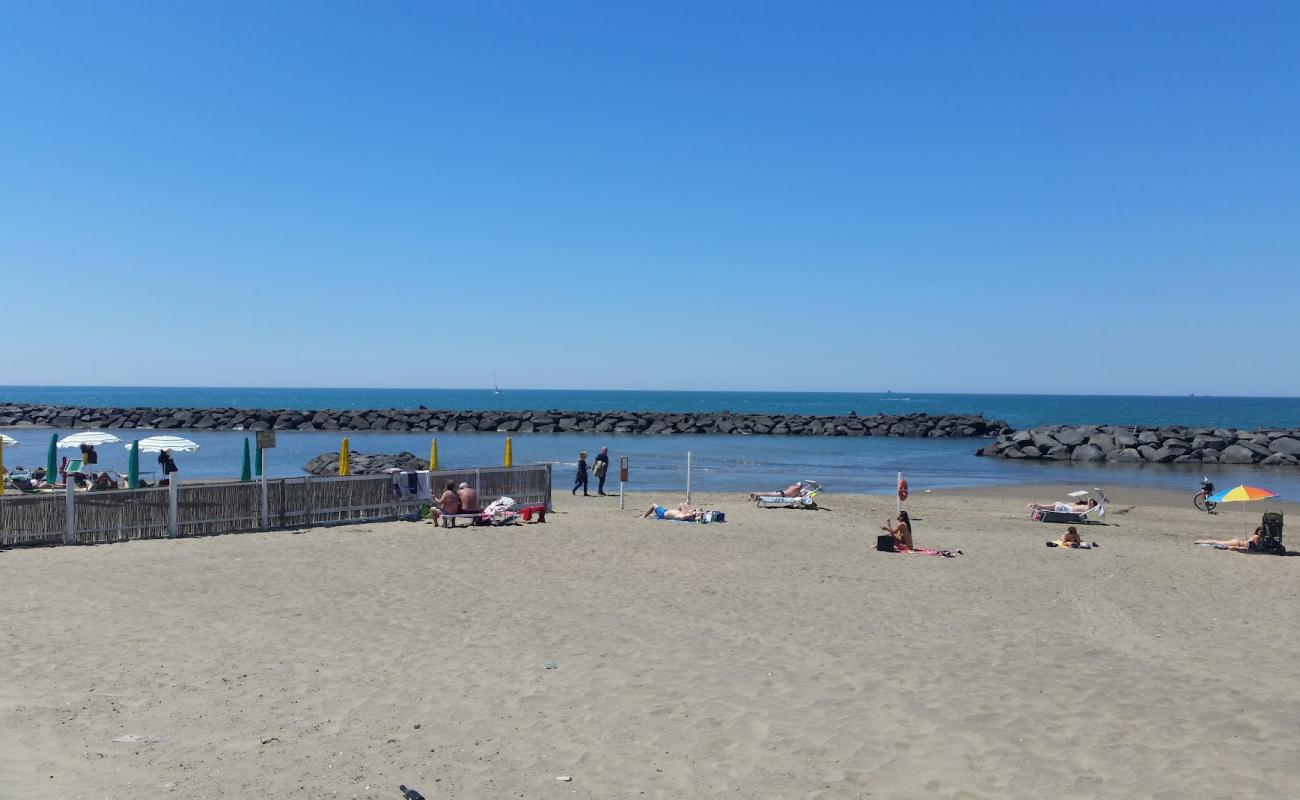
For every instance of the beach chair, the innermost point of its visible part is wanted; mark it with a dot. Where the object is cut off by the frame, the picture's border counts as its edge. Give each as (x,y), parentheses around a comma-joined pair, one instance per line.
(1271,540)
(807,497)
(1092,516)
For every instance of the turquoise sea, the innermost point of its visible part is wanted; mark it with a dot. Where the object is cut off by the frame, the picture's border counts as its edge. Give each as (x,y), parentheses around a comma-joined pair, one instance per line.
(722,463)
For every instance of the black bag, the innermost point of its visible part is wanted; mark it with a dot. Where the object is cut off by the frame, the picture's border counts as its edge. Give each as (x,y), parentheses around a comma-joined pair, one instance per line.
(885,543)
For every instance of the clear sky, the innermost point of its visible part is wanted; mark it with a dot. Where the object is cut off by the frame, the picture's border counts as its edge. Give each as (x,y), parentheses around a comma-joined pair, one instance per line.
(998,197)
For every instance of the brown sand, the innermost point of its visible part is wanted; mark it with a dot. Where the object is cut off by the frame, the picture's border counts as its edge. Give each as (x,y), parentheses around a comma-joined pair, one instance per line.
(775,655)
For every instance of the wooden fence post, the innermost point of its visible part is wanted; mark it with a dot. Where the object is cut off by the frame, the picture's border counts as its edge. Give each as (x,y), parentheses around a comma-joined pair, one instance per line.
(70,526)
(173,488)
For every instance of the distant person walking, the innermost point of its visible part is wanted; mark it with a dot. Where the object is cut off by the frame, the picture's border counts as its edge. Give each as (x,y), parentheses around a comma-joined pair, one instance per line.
(601,467)
(581,478)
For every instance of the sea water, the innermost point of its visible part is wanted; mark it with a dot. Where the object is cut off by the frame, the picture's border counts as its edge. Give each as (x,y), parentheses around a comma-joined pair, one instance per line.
(721,463)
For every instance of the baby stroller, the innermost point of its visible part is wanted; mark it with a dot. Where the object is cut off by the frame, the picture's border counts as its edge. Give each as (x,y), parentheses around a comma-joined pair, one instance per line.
(1271,540)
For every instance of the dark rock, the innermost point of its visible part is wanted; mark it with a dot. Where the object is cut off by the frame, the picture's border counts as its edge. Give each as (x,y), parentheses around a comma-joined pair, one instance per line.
(1236,454)
(1126,455)
(1286,445)
(1087,452)
(1070,437)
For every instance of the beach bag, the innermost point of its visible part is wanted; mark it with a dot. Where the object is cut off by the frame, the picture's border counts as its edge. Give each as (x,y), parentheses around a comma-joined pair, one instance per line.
(885,543)
(713,516)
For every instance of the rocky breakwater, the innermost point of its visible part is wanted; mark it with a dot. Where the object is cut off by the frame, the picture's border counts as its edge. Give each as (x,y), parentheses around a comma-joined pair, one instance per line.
(246,419)
(1169,445)
(362,464)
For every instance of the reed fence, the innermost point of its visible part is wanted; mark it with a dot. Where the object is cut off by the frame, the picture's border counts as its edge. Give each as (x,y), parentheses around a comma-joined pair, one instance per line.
(192,509)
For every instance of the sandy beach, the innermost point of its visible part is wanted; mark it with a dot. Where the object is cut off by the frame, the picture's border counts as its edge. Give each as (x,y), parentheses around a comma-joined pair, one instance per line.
(775,655)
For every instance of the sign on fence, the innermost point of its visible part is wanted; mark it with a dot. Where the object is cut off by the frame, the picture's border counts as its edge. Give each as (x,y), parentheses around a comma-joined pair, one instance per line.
(265,440)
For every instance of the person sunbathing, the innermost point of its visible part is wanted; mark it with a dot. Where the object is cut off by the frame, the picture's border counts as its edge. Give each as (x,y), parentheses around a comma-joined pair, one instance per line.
(682,512)
(902,533)
(103,482)
(793,490)
(1241,545)
(1081,507)
(1072,540)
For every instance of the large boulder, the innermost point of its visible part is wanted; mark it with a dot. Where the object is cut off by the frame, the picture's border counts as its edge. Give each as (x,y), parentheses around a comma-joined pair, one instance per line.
(1164,455)
(1280,459)
(1286,445)
(1058,453)
(1069,437)
(1044,441)
(1087,452)
(1236,454)
(1208,443)
(1126,455)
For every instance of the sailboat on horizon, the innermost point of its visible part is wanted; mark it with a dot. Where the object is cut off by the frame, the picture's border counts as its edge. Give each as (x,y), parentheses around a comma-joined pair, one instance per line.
(495,388)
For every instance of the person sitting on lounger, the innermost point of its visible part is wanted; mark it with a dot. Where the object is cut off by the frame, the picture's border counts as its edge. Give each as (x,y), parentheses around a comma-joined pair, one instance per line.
(468,499)
(1072,540)
(902,532)
(1081,507)
(682,512)
(793,490)
(103,483)
(1242,545)
(448,503)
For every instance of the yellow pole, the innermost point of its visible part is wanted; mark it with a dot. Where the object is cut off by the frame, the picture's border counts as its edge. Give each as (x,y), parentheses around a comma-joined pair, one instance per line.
(433,454)
(345,459)
(510,455)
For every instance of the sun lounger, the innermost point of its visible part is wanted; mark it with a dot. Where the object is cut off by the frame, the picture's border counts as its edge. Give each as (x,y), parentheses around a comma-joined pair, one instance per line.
(807,497)
(1062,514)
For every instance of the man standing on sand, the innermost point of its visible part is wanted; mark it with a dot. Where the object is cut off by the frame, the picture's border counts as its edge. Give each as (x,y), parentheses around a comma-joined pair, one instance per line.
(601,467)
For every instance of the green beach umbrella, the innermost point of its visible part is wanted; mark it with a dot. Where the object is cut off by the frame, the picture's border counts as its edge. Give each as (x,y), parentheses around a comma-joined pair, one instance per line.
(51,459)
(257,463)
(246,470)
(133,466)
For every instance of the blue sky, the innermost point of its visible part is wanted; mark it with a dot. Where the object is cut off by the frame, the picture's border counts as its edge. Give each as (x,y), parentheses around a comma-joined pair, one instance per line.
(993,197)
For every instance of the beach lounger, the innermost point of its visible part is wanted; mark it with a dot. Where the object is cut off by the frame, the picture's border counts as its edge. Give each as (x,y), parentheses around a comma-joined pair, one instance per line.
(807,497)
(1062,514)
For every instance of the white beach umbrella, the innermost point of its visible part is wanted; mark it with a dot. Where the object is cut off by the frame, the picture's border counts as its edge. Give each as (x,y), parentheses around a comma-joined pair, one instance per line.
(87,437)
(9,442)
(156,444)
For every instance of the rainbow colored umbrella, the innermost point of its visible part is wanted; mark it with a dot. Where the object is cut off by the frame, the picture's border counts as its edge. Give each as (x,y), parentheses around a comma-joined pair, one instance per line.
(1242,494)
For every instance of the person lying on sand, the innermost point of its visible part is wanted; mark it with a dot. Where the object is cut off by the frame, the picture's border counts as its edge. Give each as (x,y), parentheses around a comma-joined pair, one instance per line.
(1242,545)
(1065,508)
(793,490)
(1072,539)
(902,533)
(682,512)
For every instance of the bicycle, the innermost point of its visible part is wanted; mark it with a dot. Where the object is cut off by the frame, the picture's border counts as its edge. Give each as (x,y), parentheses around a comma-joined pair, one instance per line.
(1202,499)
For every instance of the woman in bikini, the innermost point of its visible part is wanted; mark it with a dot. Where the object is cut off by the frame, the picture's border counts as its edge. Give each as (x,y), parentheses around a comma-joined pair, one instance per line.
(1243,545)
(902,532)
(1066,508)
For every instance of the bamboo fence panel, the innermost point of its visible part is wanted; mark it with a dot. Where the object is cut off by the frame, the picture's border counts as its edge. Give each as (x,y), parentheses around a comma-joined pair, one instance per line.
(229,507)
(218,508)
(121,515)
(33,519)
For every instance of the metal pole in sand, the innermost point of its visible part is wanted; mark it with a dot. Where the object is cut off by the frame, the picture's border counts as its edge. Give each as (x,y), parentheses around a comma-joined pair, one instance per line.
(688,477)
(266,515)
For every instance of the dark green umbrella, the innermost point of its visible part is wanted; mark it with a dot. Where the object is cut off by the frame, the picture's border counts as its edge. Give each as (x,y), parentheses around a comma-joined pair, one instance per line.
(133,466)
(52,460)
(246,471)
(257,463)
